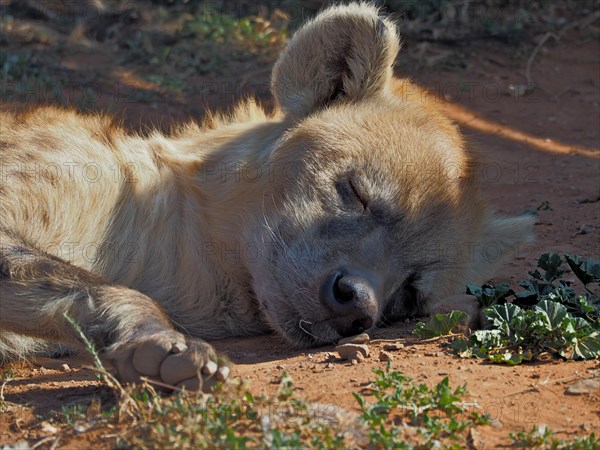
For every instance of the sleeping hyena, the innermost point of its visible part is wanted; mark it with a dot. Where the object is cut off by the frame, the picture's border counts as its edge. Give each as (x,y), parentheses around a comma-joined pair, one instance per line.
(321,220)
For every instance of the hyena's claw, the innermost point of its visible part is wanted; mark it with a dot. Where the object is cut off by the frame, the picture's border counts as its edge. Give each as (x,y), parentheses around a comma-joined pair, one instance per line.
(170,358)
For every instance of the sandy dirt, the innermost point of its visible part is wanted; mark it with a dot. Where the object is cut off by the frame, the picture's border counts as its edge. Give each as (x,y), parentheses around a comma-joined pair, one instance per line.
(544,147)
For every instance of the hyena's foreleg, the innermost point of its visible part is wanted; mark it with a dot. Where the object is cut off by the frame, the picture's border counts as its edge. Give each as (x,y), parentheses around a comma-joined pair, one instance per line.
(37,290)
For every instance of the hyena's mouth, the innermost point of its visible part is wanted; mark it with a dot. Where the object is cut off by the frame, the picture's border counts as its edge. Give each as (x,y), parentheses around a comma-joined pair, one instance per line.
(346,303)
(305,333)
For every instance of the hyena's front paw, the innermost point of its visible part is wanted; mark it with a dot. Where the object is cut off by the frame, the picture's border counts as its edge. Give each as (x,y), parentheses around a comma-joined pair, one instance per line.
(169,357)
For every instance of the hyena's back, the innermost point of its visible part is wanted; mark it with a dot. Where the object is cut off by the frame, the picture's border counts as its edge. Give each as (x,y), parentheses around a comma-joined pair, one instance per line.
(60,179)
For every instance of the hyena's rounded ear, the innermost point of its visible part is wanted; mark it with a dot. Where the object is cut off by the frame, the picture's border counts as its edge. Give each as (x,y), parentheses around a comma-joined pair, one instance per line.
(345,53)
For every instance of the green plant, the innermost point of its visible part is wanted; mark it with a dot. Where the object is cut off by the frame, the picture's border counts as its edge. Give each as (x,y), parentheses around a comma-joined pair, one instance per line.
(439,325)
(404,408)
(540,437)
(548,317)
(89,345)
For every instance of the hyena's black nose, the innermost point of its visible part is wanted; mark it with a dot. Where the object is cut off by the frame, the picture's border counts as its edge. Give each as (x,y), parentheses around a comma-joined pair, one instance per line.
(352,298)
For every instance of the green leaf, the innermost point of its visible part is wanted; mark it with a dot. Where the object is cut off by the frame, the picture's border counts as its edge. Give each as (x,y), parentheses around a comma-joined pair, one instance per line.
(587,347)
(553,313)
(506,358)
(285,389)
(489,295)
(488,338)
(549,317)
(473,289)
(587,270)
(502,315)
(526,298)
(551,263)
(462,348)
(439,325)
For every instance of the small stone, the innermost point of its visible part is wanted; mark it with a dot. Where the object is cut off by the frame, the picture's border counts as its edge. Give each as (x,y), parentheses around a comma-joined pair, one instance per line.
(587,386)
(48,363)
(584,229)
(496,423)
(48,428)
(353,380)
(442,372)
(65,368)
(351,351)
(354,362)
(329,366)
(279,366)
(476,438)
(18,445)
(393,347)
(384,356)
(362,338)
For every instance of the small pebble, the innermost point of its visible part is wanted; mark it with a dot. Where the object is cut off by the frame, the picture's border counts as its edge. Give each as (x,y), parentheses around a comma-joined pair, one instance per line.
(351,351)
(393,347)
(585,229)
(496,423)
(362,338)
(384,356)
(584,386)
(48,428)
(279,366)
(65,368)
(48,363)
(354,362)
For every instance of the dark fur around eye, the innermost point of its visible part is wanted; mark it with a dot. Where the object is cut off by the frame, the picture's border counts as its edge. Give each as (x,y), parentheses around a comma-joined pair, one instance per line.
(406,301)
(350,194)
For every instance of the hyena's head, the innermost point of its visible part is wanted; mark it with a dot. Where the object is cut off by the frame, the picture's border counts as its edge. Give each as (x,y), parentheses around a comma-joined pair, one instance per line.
(374,211)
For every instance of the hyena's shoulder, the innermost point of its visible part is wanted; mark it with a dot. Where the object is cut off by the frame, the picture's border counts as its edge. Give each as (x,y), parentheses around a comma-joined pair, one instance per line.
(29,133)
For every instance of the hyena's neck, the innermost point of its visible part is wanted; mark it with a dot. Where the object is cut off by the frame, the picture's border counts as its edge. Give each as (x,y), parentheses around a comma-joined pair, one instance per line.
(179,231)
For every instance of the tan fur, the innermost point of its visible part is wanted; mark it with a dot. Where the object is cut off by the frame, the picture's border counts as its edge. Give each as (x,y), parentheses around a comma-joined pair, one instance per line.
(232,226)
